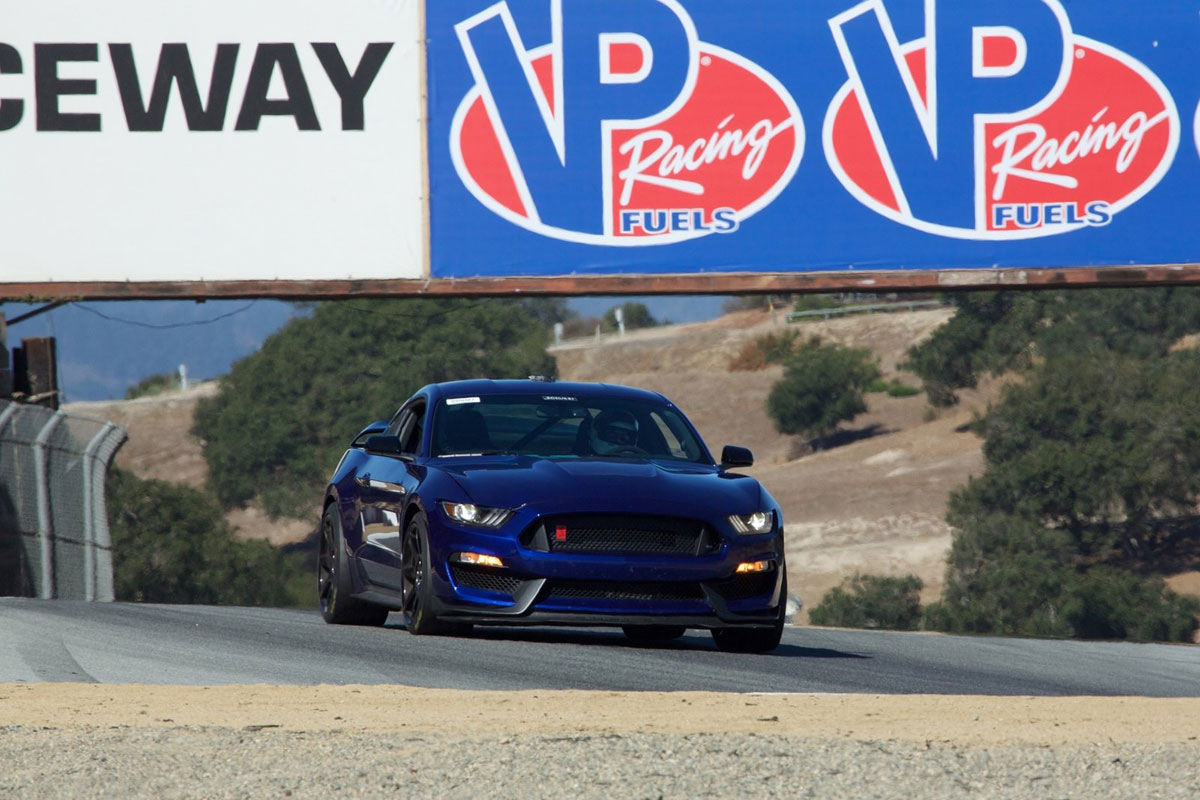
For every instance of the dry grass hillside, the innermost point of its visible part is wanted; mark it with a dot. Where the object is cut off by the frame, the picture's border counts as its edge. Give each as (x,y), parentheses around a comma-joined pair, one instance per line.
(162,446)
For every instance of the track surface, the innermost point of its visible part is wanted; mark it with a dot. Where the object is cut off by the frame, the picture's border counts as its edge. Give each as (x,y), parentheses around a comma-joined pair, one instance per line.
(122,643)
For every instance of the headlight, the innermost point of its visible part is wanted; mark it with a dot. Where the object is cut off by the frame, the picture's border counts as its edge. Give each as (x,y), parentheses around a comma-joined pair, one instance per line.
(758,522)
(477,516)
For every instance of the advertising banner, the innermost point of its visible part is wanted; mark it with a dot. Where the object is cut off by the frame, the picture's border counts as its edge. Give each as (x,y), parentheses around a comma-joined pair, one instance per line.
(670,137)
(202,141)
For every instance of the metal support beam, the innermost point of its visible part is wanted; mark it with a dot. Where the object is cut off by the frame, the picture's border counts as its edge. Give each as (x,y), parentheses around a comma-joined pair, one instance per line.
(846,279)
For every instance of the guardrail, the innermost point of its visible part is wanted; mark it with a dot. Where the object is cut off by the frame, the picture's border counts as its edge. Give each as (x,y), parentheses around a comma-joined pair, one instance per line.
(54,538)
(841,311)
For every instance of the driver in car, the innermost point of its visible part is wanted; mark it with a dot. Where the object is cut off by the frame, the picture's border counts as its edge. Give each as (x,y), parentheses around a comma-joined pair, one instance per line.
(614,432)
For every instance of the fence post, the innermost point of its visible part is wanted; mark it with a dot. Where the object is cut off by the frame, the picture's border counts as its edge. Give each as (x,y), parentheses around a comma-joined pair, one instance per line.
(41,467)
(9,409)
(89,514)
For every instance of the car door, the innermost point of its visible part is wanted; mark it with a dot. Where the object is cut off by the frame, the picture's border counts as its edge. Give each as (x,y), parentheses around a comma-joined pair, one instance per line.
(387,482)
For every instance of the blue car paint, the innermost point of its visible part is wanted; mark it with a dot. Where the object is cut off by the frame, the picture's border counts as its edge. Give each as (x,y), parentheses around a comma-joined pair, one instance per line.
(538,486)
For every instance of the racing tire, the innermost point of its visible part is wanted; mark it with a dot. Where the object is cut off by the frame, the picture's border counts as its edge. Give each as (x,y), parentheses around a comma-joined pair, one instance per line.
(650,635)
(417,579)
(334,586)
(754,640)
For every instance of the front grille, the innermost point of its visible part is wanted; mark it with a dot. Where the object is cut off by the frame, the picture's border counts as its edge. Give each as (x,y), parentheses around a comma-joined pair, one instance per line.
(740,587)
(488,580)
(623,590)
(616,534)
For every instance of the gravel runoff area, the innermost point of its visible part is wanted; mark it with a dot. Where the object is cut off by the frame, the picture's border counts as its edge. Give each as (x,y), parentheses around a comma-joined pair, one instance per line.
(90,740)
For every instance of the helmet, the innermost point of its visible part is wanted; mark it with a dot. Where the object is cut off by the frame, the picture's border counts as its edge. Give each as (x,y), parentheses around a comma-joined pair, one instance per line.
(612,431)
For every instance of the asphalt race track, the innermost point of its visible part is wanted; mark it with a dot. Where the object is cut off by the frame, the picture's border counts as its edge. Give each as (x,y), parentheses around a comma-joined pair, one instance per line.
(46,641)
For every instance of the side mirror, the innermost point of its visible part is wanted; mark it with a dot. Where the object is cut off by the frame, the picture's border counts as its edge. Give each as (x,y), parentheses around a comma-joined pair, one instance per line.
(384,445)
(731,457)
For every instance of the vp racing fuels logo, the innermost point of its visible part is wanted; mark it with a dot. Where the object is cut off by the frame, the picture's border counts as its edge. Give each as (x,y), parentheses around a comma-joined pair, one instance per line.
(1000,123)
(625,129)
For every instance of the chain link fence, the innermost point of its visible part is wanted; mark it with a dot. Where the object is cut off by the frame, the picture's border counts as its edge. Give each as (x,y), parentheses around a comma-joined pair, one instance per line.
(54,538)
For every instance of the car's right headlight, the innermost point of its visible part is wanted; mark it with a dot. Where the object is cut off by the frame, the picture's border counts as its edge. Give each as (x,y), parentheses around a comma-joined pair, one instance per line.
(749,524)
(477,516)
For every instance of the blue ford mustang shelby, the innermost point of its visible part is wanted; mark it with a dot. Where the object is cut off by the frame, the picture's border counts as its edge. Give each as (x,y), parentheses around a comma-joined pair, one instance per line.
(536,502)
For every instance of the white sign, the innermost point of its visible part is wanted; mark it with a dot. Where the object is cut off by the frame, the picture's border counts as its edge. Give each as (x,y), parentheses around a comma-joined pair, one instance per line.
(222,140)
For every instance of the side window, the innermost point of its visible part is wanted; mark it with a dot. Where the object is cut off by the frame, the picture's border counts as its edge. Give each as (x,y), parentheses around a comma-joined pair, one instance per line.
(411,437)
(398,422)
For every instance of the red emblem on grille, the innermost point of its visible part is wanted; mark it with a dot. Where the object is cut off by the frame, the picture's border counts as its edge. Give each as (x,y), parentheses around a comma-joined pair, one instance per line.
(560,533)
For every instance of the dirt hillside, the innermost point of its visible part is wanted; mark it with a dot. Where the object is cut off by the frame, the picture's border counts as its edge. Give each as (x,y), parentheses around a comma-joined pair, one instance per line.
(162,446)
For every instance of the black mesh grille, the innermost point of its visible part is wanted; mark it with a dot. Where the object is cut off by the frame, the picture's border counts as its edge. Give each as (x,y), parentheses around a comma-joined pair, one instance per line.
(622,534)
(486,579)
(624,590)
(739,587)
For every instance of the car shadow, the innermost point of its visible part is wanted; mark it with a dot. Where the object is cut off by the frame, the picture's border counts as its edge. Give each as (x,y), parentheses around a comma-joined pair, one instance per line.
(693,641)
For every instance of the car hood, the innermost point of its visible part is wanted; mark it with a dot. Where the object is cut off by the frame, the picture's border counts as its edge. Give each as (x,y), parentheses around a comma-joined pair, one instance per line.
(598,485)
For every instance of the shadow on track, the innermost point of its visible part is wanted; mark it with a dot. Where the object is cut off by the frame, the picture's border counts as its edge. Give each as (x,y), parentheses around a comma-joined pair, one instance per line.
(692,641)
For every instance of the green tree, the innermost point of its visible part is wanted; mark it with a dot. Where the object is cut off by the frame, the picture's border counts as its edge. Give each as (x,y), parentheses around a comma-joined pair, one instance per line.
(283,415)
(872,601)
(172,544)
(1087,462)
(993,332)
(636,316)
(1097,444)
(822,386)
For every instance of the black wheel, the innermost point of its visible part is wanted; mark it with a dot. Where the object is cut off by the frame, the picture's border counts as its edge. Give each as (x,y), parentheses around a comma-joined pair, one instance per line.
(415,571)
(653,634)
(754,640)
(334,587)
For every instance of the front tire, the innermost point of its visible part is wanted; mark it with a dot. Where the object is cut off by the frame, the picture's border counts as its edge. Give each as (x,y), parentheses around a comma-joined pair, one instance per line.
(417,577)
(334,587)
(754,640)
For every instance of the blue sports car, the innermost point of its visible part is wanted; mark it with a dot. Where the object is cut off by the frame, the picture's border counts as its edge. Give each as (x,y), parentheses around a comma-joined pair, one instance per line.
(536,502)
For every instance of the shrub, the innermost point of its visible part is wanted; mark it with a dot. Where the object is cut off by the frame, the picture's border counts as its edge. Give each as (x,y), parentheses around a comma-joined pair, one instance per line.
(152,385)
(892,388)
(172,544)
(872,601)
(1109,603)
(760,353)
(898,389)
(822,386)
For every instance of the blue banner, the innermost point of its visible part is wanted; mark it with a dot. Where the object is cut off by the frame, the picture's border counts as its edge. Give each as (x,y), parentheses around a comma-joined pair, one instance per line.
(607,137)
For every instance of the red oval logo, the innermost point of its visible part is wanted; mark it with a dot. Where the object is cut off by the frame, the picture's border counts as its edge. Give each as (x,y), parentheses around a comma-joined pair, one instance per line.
(1104,141)
(727,151)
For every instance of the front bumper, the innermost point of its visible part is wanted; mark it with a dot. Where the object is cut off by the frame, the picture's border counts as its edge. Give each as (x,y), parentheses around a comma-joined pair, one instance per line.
(588,589)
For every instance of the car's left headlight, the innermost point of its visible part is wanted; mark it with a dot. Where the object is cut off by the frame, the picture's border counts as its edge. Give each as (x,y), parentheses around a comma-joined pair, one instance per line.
(758,522)
(478,516)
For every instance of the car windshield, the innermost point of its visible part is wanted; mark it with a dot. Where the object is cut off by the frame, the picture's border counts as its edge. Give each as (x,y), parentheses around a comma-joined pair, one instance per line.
(554,425)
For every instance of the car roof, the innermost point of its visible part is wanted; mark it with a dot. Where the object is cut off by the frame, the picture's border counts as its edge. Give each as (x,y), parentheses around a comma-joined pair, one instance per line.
(482,387)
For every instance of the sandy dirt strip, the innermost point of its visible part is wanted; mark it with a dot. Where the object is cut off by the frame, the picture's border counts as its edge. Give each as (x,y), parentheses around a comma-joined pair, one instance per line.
(90,740)
(918,718)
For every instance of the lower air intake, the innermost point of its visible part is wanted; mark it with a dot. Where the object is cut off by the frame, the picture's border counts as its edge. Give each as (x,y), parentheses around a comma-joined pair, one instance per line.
(487,580)
(623,590)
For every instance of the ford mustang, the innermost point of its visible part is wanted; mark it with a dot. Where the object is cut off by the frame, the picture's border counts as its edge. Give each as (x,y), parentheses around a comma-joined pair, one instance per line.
(536,502)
